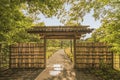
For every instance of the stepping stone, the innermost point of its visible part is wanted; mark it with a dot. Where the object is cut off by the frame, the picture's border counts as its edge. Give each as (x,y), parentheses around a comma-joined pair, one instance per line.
(54,73)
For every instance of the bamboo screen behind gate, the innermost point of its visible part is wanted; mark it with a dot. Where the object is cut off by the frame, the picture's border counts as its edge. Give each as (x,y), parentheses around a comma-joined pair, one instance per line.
(93,55)
(27,55)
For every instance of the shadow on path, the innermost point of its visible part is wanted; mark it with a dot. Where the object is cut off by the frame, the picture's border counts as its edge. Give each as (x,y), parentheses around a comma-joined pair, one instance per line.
(20,74)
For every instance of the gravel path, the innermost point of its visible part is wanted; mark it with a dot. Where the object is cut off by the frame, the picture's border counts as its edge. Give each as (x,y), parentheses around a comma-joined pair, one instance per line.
(59,67)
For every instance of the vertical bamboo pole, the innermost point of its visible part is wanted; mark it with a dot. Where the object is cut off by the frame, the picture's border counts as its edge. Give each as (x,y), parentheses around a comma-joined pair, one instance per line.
(10,56)
(119,61)
(75,52)
(22,54)
(44,51)
(113,60)
(18,56)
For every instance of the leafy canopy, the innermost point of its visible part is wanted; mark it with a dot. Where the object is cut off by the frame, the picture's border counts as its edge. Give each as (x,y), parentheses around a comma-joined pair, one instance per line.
(109,13)
(16,17)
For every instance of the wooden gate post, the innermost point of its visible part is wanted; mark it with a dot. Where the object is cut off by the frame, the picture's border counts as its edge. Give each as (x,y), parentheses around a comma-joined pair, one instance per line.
(71,45)
(75,52)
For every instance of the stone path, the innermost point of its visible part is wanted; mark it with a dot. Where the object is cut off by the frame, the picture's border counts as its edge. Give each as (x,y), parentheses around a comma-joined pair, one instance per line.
(59,67)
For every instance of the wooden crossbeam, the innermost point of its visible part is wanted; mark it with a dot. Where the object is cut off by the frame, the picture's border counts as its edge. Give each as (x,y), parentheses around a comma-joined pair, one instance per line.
(59,32)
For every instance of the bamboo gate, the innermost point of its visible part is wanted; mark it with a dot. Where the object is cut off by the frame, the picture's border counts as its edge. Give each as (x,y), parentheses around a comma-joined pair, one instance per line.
(86,55)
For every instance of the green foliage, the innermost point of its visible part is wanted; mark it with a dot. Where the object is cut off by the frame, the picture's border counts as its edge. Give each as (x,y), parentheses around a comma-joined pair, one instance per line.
(15,17)
(109,31)
(72,23)
(50,51)
(58,43)
(106,74)
(18,15)
(12,21)
(47,7)
(41,24)
(82,7)
(53,43)
(69,53)
(109,13)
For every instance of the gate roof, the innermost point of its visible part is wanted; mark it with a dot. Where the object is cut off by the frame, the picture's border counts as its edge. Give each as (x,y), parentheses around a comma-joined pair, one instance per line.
(60,32)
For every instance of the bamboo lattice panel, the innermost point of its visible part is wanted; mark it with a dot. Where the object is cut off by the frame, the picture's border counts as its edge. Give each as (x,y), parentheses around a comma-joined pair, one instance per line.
(27,55)
(93,55)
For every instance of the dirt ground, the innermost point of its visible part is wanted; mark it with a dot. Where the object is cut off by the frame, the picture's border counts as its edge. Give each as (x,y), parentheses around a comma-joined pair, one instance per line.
(59,67)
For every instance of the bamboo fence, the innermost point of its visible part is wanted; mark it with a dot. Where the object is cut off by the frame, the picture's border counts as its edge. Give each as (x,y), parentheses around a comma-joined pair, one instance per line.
(27,55)
(93,55)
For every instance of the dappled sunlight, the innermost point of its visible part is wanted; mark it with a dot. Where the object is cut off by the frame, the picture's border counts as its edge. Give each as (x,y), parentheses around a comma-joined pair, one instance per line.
(57,68)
